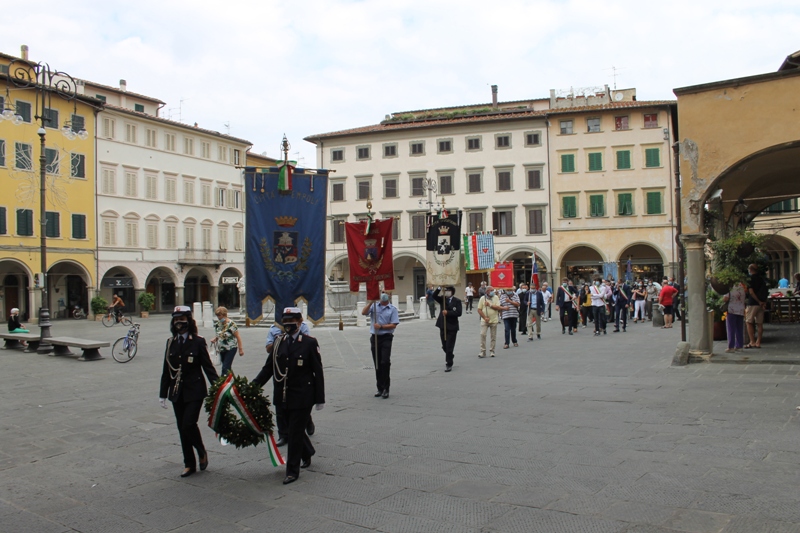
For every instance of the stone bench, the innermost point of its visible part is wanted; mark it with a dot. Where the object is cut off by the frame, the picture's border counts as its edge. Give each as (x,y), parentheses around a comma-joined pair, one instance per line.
(13,341)
(91,349)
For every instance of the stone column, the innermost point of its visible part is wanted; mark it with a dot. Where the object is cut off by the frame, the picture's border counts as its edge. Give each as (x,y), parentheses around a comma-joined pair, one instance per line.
(179,295)
(697,328)
(213,296)
(135,306)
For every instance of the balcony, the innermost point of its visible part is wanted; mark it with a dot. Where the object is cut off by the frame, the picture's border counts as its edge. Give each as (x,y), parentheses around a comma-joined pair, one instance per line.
(201,257)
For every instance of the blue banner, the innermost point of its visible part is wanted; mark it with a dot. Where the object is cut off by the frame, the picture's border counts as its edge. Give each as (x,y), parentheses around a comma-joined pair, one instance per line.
(285,240)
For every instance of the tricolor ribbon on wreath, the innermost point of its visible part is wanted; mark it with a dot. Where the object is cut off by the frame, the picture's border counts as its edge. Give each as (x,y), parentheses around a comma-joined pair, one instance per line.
(228,392)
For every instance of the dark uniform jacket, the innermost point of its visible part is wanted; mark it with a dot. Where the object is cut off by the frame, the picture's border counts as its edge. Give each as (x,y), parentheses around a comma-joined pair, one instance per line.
(562,296)
(453,307)
(624,296)
(192,358)
(305,385)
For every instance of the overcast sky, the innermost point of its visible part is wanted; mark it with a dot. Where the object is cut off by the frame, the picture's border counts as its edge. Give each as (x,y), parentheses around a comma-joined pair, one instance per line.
(314,66)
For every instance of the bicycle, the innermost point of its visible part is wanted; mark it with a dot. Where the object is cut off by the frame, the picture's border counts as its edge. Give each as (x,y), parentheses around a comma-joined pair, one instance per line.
(125,347)
(110,318)
(78,313)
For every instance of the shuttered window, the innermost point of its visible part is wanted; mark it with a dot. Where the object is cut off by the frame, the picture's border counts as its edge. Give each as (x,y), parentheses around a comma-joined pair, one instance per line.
(652,157)
(23,156)
(170,190)
(78,123)
(131,188)
(596,207)
(474,183)
(623,159)
(389,188)
(568,163)
(109,233)
(417,226)
(503,222)
(151,187)
(534,179)
(172,241)
(223,238)
(504,181)
(77,166)
(53,161)
(188,192)
(536,221)
(3,226)
(569,207)
(52,224)
(337,192)
(131,234)
(206,193)
(476,222)
(625,204)
(238,240)
(78,226)
(109,185)
(206,236)
(24,222)
(24,110)
(654,203)
(595,161)
(51,118)
(152,235)
(446,184)
(2,152)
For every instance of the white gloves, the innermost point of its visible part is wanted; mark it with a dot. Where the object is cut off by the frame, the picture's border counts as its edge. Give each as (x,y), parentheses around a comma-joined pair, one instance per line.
(319,406)
(162,402)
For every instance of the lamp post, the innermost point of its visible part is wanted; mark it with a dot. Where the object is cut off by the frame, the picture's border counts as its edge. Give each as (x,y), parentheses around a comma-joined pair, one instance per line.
(44,82)
(430,185)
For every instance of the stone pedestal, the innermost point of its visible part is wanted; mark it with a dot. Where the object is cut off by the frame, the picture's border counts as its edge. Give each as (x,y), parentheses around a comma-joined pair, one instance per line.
(423,309)
(361,320)
(698,331)
(409,303)
(197,313)
(208,315)
(396,301)
(658,316)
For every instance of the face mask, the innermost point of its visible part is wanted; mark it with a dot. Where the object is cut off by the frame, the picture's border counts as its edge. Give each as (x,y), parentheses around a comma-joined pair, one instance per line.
(491,293)
(180,327)
(384,297)
(564,285)
(290,327)
(448,294)
(597,283)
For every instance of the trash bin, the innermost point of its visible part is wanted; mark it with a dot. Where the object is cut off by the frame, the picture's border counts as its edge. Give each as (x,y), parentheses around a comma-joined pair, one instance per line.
(658,316)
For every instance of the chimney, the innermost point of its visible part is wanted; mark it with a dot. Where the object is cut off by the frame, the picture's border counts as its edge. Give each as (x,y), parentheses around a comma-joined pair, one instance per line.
(494,96)
(24,50)
(123,85)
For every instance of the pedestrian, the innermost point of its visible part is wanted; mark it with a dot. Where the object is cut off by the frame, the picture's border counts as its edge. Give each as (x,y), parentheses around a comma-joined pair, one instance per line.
(469,293)
(227,338)
(535,312)
(734,319)
(14,325)
(385,319)
(585,299)
(666,298)
(280,412)
(547,292)
(509,303)
(598,295)
(185,360)
(489,311)
(431,301)
(653,290)
(448,323)
(522,292)
(622,303)
(482,290)
(639,298)
(796,285)
(566,296)
(756,303)
(295,366)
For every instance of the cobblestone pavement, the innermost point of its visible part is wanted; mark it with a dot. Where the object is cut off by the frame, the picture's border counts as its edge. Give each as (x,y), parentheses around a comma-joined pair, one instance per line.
(568,433)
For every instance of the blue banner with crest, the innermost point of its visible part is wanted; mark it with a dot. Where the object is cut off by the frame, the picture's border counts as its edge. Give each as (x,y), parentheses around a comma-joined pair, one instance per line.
(285,240)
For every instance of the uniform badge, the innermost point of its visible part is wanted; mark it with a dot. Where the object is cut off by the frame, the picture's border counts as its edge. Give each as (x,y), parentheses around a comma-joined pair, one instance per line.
(190,359)
(299,362)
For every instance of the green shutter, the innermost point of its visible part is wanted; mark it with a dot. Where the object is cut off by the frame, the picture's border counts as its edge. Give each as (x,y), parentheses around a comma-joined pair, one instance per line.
(570,210)
(52,224)
(78,226)
(624,159)
(24,222)
(596,205)
(2,150)
(652,157)
(653,203)
(625,204)
(568,163)
(3,228)
(596,161)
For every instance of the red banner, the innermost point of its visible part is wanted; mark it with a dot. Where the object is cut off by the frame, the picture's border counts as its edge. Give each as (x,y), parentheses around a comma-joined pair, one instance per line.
(502,277)
(370,256)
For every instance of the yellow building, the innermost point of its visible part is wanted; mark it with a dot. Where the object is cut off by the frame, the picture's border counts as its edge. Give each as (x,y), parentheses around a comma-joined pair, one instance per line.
(69,141)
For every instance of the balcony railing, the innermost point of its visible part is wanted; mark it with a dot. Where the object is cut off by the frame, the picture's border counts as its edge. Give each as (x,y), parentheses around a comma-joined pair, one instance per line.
(201,257)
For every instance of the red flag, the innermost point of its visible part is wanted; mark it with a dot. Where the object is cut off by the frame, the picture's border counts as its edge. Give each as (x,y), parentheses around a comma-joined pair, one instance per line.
(370,256)
(535,273)
(502,276)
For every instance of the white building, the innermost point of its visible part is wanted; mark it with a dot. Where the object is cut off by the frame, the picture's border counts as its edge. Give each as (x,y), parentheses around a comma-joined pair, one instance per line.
(170,214)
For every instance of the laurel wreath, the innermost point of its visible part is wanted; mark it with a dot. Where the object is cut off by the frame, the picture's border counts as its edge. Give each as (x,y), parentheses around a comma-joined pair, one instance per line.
(231,427)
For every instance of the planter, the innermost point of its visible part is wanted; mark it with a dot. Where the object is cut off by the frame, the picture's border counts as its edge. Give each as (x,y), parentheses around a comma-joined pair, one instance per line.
(720,332)
(145,314)
(98,317)
(719,287)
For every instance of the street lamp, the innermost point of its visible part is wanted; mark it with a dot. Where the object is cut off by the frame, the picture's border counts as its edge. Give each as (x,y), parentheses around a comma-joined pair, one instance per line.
(44,82)
(430,185)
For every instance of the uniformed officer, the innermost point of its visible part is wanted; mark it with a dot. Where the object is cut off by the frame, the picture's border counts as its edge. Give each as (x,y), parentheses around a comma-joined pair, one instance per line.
(185,360)
(448,318)
(385,319)
(295,366)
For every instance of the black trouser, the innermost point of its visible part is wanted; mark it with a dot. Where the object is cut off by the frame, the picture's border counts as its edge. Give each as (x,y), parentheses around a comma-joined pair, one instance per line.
(448,344)
(469,302)
(568,316)
(186,415)
(586,314)
(599,318)
(300,446)
(283,426)
(621,312)
(384,360)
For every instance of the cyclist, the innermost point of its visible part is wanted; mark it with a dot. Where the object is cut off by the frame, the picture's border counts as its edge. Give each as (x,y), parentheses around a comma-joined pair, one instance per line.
(117,307)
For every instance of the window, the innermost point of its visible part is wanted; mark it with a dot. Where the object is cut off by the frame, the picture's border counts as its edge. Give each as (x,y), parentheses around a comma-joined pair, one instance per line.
(152,235)
(569,208)
(24,110)
(654,203)
(237,156)
(417,226)
(473,143)
(390,188)
(621,123)
(172,239)
(396,228)
(52,161)
(109,233)
(504,180)
(445,146)
(364,190)
(23,156)
(337,155)
(476,222)
(25,222)
(503,222)
(3,227)
(205,150)
(595,161)
(625,204)
(131,234)
(567,162)
(417,148)
(151,187)
(221,194)
(77,166)
(188,237)
(150,138)
(533,138)
(52,227)
(78,226)
(131,188)
(222,234)
(417,186)
(446,184)
(238,239)
(100,97)
(651,120)
(205,193)
(2,152)
(222,154)
(784,206)
(337,230)
(206,237)
(652,157)
(593,125)
(474,183)
(623,159)
(188,192)
(337,192)
(188,146)
(596,207)
(169,142)
(51,118)
(502,141)
(536,221)
(362,153)
(78,123)
(109,125)
(139,108)
(237,199)
(534,179)
(130,133)
(566,127)
(390,150)
(109,185)
(170,190)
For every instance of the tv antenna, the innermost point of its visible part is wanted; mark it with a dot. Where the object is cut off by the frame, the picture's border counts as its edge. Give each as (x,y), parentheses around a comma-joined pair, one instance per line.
(614,70)
(227,127)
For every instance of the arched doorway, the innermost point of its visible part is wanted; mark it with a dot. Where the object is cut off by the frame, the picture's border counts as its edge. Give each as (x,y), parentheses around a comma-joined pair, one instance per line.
(523,267)
(14,291)
(646,262)
(228,289)
(583,263)
(161,284)
(68,283)
(196,287)
(782,258)
(410,277)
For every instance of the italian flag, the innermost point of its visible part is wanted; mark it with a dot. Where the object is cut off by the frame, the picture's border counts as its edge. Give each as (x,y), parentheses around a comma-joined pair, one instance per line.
(285,177)
(274,454)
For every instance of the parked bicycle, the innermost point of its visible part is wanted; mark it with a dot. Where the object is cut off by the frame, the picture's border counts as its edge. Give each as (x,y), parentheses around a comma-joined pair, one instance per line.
(111,318)
(78,313)
(125,347)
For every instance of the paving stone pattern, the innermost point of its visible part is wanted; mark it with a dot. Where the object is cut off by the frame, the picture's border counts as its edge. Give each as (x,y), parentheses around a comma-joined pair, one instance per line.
(565,434)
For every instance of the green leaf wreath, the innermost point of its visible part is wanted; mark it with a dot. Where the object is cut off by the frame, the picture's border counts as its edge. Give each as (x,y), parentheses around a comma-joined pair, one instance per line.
(230,426)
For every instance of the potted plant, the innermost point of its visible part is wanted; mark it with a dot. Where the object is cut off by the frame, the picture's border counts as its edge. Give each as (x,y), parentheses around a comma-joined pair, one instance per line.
(146,301)
(99,307)
(732,255)
(715,302)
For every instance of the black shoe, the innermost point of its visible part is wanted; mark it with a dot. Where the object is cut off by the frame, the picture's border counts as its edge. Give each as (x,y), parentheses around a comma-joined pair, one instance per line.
(379,394)
(570,332)
(385,394)
(448,368)
(563,331)
(310,428)
(188,472)
(289,479)
(281,442)
(538,336)
(204,464)
(305,463)
(624,330)
(616,330)
(605,332)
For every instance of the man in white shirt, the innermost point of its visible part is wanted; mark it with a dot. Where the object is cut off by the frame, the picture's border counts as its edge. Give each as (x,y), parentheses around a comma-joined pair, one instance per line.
(599,294)
(548,297)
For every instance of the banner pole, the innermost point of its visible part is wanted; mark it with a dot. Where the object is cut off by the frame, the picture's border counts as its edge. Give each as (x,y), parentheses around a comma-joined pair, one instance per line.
(375,334)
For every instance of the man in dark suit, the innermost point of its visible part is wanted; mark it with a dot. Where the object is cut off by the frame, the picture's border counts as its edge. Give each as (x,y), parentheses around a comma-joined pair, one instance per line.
(295,366)
(622,301)
(447,322)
